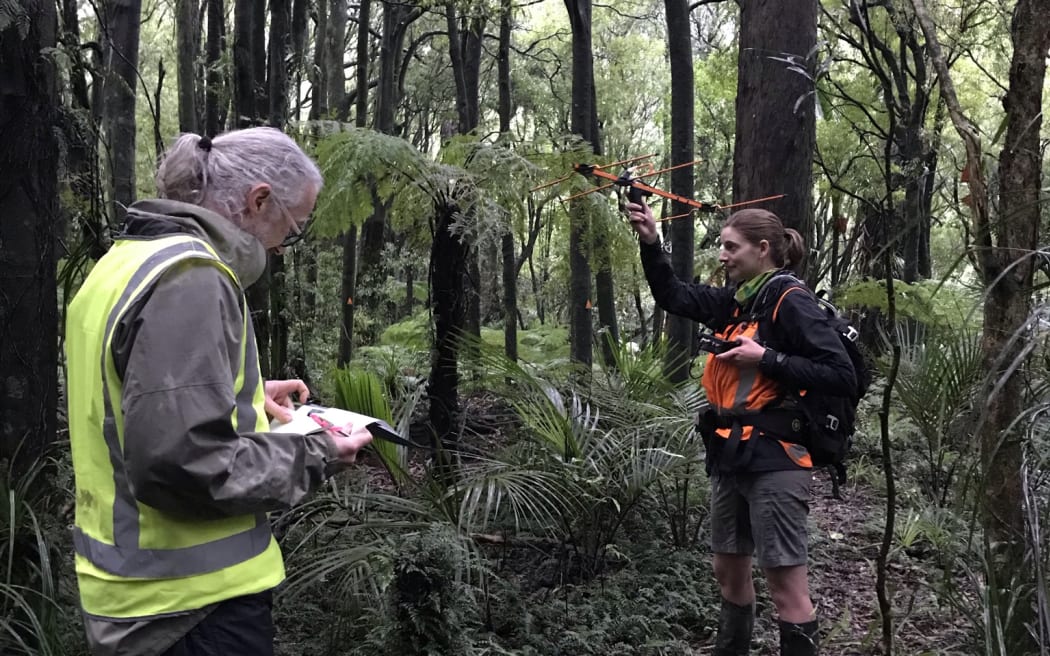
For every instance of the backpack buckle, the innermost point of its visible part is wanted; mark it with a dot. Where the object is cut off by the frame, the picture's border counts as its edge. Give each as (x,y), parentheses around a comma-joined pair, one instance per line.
(851,333)
(833,423)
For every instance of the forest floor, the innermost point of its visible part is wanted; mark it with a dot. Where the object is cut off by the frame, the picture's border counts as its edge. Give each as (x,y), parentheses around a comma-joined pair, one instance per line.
(845,537)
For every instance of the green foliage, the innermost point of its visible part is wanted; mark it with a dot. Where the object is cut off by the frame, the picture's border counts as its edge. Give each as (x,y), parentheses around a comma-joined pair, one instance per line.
(938,379)
(30,614)
(362,392)
(431,609)
(941,305)
(651,606)
(363,168)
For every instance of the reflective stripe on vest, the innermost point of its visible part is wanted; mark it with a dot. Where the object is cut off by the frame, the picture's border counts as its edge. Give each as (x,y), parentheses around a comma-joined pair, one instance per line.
(125,557)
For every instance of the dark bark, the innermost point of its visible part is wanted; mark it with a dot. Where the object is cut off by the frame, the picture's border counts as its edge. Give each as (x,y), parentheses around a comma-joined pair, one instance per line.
(775,109)
(187,36)
(216,98)
(1007,321)
(243,70)
(335,53)
(349,271)
(680,54)
(120,30)
(279,44)
(584,122)
(261,89)
(450,259)
(447,262)
(84,204)
(397,16)
(319,73)
(510,263)
(28,261)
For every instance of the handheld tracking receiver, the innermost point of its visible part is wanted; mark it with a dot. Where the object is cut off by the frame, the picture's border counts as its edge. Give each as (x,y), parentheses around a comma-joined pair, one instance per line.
(716,345)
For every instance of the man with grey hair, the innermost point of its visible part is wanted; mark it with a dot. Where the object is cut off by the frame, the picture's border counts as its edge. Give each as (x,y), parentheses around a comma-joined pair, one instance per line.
(175,465)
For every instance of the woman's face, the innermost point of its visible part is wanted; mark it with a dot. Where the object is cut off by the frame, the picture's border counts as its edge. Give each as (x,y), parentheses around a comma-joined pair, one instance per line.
(741,259)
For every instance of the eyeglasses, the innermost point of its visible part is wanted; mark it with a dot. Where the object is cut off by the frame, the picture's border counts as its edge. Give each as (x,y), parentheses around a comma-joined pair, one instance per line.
(296,234)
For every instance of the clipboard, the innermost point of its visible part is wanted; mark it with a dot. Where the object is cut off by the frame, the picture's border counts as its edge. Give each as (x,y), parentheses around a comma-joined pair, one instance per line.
(311,419)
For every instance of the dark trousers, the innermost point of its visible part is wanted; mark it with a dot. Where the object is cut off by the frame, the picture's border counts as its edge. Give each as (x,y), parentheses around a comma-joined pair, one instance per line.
(242,626)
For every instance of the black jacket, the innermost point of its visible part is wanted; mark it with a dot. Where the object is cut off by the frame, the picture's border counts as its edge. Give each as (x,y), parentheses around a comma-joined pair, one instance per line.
(814,357)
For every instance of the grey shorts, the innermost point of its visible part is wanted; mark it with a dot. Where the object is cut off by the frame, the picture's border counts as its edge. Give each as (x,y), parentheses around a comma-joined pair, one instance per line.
(762,514)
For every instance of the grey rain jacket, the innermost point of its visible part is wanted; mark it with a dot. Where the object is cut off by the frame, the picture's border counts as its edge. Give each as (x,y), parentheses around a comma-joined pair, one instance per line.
(177,352)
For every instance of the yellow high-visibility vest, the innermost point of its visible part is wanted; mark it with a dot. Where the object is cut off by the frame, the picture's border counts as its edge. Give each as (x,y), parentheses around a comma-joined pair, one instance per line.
(133,560)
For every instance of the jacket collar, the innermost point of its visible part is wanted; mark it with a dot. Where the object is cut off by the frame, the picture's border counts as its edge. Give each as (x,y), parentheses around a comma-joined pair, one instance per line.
(240,250)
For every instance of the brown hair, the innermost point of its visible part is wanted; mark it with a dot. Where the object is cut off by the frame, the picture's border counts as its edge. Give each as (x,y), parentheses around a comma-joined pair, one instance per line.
(786,246)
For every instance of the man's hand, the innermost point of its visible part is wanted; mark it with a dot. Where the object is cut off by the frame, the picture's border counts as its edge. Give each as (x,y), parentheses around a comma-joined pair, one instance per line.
(641,218)
(349,440)
(279,397)
(747,354)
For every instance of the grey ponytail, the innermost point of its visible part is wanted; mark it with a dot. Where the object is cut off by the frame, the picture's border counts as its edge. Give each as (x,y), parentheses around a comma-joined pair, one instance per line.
(218,173)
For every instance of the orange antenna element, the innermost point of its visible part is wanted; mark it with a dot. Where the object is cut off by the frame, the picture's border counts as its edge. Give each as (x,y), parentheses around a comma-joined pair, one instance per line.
(588,306)
(349,300)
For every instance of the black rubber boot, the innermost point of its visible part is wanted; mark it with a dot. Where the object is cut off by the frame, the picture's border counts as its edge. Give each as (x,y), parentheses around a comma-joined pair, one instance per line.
(799,639)
(735,624)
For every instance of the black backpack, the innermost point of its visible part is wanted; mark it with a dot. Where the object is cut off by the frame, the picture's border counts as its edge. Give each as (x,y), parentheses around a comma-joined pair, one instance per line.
(828,421)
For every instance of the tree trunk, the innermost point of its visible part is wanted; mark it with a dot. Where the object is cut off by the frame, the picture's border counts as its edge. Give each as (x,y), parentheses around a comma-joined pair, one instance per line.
(397,16)
(215,99)
(510,260)
(335,54)
(447,262)
(680,54)
(584,123)
(28,203)
(319,73)
(1004,257)
(121,45)
(243,70)
(279,43)
(82,139)
(775,107)
(349,277)
(1007,320)
(249,76)
(261,90)
(187,37)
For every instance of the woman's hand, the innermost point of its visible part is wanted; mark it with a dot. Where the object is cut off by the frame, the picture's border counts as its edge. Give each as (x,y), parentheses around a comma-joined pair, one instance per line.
(747,354)
(641,218)
(279,397)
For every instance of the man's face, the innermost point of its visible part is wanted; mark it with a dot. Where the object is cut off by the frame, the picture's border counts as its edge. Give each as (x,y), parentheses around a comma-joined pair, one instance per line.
(275,223)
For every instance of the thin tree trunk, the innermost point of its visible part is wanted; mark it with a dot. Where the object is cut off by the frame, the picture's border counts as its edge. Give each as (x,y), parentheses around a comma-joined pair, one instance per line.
(335,54)
(683,232)
(215,99)
(584,123)
(319,73)
(28,203)
(510,260)
(279,43)
(349,277)
(121,38)
(187,36)
(243,71)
